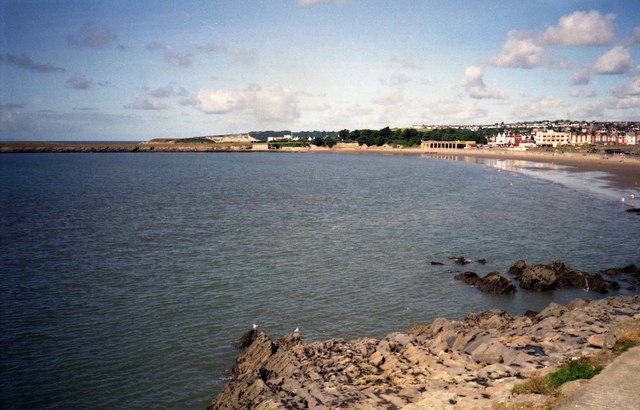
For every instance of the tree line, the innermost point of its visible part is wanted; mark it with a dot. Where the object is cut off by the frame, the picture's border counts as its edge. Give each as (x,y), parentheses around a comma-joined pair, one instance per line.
(404,137)
(407,137)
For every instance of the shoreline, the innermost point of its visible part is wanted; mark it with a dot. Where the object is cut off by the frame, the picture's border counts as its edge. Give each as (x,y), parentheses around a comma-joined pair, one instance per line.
(471,363)
(623,172)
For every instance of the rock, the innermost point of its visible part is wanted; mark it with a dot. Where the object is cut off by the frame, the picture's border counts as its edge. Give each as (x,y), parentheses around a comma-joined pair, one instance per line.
(475,362)
(517,268)
(491,283)
(470,278)
(629,270)
(601,341)
(634,210)
(487,358)
(376,359)
(461,260)
(482,261)
(541,277)
(577,303)
(538,277)
(613,285)
(553,310)
(496,284)
(434,263)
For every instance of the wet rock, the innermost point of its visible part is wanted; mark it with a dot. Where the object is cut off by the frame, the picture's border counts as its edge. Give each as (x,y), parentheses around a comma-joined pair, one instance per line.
(460,260)
(435,263)
(482,261)
(491,283)
(632,271)
(517,268)
(541,277)
(496,284)
(470,278)
(634,210)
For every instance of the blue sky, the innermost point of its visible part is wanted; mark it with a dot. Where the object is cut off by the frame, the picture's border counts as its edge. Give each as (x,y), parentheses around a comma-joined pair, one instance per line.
(135,70)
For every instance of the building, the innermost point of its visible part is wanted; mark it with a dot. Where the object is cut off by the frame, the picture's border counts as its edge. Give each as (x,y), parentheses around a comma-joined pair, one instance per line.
(550,138)
(436,145)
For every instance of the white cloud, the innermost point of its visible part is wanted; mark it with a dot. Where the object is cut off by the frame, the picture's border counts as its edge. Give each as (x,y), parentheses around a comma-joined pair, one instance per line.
(582,76)
(629,88)
(636,36)
(270,103)
(407,63)
(392,98)
(454,111)
(244,55)
(475,86)
(615,61)
(92,35)
(170,56)
(166,92)
(543,107)
(627,102)
(521,50)
(583,93)
(79,82)
(25,62)
(588,111)
(581,29)
(142,102)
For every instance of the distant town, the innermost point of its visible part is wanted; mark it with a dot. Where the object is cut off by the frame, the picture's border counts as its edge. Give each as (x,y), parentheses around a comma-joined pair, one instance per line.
(518,135)
(553,133)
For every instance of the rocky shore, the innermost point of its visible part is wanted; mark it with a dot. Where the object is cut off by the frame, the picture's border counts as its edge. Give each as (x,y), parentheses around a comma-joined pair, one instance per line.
(472,363)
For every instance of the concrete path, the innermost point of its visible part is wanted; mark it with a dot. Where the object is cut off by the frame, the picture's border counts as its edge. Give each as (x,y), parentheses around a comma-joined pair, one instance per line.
(616,387)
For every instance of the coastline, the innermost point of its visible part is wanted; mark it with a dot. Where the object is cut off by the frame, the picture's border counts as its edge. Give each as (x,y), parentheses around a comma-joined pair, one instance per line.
(473,363)
(622,172)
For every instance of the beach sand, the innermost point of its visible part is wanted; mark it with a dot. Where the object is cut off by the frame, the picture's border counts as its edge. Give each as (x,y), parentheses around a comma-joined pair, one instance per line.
(623,172)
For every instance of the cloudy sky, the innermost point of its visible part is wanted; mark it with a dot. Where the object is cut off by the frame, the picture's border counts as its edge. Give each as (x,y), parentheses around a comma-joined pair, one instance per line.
(134,70)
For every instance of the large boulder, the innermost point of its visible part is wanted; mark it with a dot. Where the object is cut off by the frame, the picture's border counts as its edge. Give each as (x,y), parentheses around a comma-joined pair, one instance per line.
(538,277)
(491,283)
(470,278)
(541,277)
(517,268)
(496,284)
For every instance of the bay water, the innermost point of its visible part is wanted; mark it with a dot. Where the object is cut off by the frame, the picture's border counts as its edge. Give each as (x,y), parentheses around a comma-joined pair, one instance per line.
(125,278)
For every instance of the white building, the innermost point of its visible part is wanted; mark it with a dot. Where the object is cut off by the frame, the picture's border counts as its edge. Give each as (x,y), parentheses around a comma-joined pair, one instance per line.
(550,138)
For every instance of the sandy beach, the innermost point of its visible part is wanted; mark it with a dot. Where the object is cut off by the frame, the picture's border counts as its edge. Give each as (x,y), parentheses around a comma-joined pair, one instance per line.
(624,171)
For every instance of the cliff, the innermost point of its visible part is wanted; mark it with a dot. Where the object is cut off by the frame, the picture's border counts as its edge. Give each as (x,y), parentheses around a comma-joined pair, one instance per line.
(471,363)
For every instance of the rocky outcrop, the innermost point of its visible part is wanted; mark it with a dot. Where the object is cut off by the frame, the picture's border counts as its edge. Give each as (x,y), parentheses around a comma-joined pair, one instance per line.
(472,363)
(542,277)
(491,283)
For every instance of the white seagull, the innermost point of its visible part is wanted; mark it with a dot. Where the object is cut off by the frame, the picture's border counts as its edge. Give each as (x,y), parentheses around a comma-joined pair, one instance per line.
(255,327)
(296,331)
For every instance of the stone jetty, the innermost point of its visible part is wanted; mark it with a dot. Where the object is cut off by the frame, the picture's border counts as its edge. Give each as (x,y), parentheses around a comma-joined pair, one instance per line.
(459,364)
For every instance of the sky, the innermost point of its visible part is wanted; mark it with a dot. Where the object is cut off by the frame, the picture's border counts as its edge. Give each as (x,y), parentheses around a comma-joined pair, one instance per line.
(136,70)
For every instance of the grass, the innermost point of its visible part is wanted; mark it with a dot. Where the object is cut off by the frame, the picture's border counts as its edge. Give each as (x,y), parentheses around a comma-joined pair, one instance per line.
(548,385)
(626,341)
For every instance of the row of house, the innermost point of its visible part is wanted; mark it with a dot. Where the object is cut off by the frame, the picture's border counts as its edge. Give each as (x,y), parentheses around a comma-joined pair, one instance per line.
(551,138)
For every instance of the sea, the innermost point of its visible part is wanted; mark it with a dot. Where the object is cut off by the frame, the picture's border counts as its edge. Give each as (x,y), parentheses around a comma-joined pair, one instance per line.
(125,278)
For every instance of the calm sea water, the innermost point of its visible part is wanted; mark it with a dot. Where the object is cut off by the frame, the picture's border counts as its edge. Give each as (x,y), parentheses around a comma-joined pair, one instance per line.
(125,278)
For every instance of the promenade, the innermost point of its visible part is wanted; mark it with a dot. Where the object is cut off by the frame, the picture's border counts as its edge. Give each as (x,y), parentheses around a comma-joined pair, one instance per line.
(616,387)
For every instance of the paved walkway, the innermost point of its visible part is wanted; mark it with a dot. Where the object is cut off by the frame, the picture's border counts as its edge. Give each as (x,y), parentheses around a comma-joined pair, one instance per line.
(616,387)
